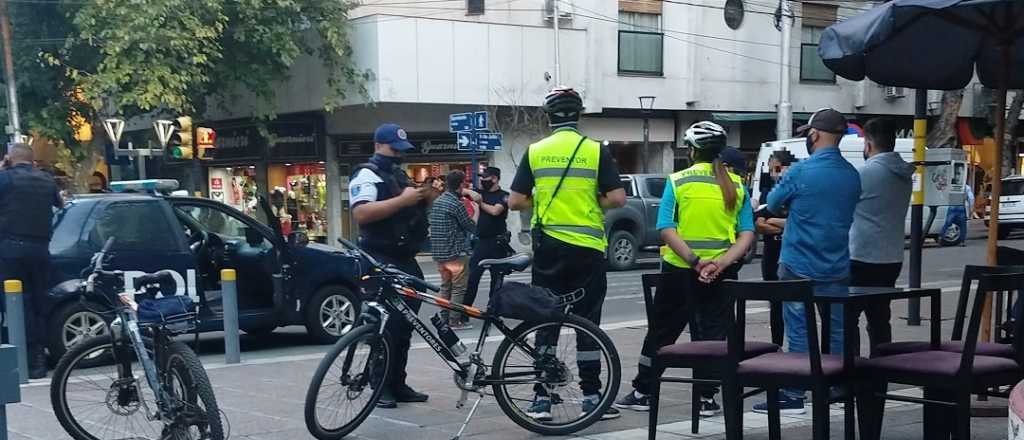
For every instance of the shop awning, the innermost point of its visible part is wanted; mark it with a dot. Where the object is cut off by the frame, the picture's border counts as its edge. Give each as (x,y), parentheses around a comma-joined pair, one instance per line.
(747,117)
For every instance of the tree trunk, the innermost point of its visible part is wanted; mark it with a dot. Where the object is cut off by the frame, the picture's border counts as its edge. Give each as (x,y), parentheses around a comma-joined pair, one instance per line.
(944,133)
(1010,139)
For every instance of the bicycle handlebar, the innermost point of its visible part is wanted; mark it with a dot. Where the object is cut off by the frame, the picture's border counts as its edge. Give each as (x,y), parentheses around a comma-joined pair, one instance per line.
(415,282)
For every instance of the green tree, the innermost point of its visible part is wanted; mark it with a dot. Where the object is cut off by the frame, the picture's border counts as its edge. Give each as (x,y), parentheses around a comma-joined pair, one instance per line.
(136,57)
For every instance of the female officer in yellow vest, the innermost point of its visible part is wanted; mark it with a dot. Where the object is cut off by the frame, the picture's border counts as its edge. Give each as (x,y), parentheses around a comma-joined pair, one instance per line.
(707,224)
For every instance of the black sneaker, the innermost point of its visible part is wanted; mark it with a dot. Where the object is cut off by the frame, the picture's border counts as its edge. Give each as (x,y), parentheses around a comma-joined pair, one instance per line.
(590,405)
(405,394)
(631,401)
(709,408)
(387,399)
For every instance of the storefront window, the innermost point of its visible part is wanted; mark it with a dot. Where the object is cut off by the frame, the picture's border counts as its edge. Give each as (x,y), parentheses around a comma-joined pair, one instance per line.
(419,172)
(299,198)
(236,187)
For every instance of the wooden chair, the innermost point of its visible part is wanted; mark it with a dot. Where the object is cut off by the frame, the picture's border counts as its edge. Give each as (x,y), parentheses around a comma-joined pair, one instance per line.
(949,378)
(687,355)
(774,371)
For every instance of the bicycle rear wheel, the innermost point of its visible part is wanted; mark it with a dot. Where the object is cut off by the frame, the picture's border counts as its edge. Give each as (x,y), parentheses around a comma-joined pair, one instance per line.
(347,384)
(571,365)
(105,401)
(196,415)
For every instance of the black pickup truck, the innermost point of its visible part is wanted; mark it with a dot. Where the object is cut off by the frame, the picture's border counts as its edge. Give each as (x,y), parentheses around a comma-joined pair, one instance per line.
(281,281)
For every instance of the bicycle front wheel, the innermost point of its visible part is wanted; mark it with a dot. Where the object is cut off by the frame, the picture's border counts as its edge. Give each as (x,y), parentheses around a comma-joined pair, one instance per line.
(194,406)
(348,383)
(556,378)
(106,401)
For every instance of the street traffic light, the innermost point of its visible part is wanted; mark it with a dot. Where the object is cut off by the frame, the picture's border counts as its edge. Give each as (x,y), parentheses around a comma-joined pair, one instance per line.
(205,140)
(181,144)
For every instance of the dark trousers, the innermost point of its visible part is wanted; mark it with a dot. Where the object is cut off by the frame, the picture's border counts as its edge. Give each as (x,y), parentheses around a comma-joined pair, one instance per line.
(564,268)
(397,327)
(681,299)
(878,313)
(30,263)
(486,248)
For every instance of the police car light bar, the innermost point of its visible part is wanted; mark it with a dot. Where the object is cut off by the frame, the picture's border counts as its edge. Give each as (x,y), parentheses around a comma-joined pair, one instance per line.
(148,185)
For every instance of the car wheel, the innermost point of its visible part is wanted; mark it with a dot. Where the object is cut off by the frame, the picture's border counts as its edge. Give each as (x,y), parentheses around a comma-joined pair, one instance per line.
(1004,232)
(622,250)
(330,313)
(951,236)
(74,323)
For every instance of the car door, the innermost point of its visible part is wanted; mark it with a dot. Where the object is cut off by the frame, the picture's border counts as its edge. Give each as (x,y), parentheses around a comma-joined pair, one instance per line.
(247,248)
(145,240)
(653,189)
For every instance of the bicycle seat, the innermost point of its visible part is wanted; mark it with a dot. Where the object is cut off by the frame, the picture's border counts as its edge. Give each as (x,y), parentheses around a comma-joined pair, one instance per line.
(163,278)
(516,263)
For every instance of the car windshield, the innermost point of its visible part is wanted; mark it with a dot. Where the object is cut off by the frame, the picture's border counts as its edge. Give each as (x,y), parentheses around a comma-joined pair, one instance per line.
(1013,187)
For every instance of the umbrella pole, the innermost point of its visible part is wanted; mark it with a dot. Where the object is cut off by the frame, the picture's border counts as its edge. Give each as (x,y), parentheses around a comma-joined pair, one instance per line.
(917,207)
(997,190)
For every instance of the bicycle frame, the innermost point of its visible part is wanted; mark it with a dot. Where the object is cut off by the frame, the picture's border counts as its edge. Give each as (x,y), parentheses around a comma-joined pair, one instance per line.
(393,303)
(127,326)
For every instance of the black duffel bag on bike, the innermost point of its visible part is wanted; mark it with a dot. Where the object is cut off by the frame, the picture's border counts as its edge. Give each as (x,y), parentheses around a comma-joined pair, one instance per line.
(531,303)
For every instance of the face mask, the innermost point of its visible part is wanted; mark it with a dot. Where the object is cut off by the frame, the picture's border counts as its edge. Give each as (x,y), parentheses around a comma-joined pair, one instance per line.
(866,155)
(809,142)
(385,161)
(487,184)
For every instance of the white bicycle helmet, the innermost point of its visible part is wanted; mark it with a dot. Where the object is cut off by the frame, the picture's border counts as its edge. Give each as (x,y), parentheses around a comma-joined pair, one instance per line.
(705,135)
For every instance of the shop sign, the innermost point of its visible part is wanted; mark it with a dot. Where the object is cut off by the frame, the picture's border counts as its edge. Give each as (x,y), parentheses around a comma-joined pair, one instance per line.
(216,183)
(287,140)
(431,147)
(305,169)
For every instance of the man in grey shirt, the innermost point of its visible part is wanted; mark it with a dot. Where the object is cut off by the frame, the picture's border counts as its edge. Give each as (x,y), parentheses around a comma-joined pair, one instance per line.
(876,238)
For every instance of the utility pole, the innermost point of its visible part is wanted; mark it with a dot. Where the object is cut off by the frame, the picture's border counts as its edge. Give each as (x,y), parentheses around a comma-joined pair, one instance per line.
(12,88)
(558,47)
(784,122)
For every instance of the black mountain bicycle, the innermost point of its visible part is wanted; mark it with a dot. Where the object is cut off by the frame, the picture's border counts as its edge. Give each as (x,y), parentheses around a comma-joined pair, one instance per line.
(97,392)
(535,361)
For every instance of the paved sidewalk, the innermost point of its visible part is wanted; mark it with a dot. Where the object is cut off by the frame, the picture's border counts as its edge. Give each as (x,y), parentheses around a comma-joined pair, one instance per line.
(263,399)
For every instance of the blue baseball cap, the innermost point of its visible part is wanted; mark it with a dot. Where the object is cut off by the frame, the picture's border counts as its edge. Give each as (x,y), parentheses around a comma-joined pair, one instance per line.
(734,158)
(393,135)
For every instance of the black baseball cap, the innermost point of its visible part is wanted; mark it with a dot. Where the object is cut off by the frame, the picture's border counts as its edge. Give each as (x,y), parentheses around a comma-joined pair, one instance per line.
(734,158)
(491,172)
(827,120)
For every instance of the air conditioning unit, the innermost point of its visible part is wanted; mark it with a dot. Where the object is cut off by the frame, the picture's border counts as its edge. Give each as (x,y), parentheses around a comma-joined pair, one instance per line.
(894,92)
(565,10)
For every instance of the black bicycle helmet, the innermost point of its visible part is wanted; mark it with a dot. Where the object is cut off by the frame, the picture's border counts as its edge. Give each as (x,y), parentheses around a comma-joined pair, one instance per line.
(563,106)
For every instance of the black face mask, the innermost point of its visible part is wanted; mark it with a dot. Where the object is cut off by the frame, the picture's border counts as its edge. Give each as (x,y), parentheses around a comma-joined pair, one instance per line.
(809,142)
(487,184)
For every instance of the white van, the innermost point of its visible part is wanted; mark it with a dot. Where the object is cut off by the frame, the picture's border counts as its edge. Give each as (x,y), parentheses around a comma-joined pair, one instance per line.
(1011,206)
(852,149)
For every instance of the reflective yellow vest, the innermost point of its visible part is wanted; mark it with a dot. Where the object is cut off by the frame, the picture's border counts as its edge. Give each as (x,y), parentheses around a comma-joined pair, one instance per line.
(574,216)
(704,223)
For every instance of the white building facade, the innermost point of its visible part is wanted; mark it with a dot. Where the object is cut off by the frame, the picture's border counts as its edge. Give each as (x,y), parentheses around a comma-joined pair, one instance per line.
(699,59)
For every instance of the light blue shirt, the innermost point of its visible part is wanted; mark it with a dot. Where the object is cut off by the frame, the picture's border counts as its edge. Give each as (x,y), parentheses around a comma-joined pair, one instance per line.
(821,193)
(667,211)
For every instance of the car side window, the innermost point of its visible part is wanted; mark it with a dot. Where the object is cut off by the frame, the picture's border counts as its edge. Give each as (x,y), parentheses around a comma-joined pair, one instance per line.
(655,186)
(218,222)
(627,184)
(136,226)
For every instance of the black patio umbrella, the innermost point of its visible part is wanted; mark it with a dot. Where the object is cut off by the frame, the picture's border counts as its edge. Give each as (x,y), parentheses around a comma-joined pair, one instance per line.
(935,44)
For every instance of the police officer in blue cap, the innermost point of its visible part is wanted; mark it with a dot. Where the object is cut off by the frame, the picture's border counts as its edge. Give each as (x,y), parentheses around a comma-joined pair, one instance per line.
(392,219)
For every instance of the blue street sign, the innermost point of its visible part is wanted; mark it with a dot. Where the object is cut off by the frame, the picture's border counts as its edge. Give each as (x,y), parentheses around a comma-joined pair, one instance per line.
(465,140)
(460,122)
(487,141)
(480,121)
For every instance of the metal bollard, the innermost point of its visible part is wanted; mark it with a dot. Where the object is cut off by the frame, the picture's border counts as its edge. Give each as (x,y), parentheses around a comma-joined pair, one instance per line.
(15,307)
(229,296)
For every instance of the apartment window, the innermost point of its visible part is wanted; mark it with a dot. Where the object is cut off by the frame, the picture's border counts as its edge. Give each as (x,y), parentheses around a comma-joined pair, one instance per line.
(816,18)
(475,7)
(641,43)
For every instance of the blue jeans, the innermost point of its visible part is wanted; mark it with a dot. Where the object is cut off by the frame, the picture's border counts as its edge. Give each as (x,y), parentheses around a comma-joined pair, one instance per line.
(796,325)
(958,215)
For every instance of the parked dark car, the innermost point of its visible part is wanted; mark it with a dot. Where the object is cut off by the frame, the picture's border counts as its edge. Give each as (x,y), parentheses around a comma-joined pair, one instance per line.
(280,281)
(633,228)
